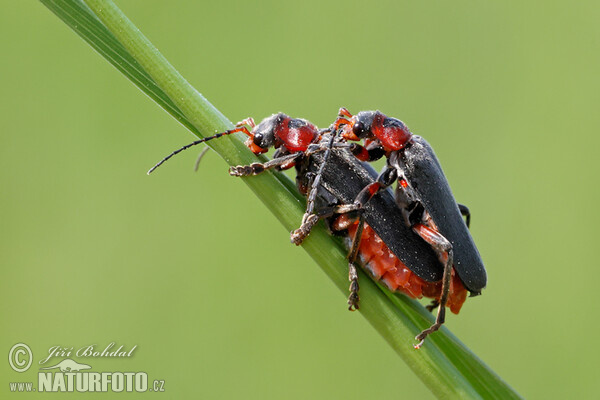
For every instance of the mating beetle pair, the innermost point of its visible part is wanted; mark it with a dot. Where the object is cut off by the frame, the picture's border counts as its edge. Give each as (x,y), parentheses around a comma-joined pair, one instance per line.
(413,243)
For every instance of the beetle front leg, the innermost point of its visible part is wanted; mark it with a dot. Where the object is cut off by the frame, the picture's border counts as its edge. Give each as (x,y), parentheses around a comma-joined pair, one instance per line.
(283,162)
(371,152)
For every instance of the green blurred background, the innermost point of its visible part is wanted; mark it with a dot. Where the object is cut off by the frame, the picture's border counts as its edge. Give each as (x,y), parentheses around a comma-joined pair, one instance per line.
(192,269)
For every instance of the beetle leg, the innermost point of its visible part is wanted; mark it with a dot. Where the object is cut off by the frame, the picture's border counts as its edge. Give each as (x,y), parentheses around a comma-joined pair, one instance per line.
(308,222)
(299,234)
(464,211)
(286,161)
(434,304)
(371,152)
(443,249)
(344,118)
(309,219)
(352,274)
(318,147)
(385,179)
(248,121)
(343,112)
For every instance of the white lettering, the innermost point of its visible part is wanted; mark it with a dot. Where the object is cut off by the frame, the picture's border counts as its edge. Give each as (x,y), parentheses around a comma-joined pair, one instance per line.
(131,351)
(107,348)
(94,378)
(129,376)
(141,382)
(56,351)
(70,378)
(45,381)
(83,383)
(106,380)
(117,382)
(90,382)
(85,351)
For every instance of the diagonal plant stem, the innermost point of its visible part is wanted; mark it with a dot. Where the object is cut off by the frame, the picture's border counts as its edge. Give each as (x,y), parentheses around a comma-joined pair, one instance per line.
(444,364)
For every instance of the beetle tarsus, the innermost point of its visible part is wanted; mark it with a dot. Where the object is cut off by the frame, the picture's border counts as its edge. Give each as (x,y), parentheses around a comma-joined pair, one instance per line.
(308,222)
(353,297)
(246,170)
(439,321)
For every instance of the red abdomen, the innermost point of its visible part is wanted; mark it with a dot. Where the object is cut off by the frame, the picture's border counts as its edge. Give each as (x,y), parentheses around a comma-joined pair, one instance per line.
(386,267)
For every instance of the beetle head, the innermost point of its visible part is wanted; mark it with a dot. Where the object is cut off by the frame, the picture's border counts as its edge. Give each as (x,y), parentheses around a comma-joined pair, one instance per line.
(373,126)
(263,136)
(362,124)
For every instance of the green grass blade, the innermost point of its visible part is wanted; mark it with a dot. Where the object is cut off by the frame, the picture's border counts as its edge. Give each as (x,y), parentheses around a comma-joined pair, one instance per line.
(444,364)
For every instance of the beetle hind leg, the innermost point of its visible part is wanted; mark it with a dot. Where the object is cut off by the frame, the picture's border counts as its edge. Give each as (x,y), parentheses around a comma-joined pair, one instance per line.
(352,256)
(443,249)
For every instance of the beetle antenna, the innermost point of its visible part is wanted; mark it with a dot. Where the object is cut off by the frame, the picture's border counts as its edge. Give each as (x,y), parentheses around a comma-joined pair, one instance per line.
(206,139)
(202,153)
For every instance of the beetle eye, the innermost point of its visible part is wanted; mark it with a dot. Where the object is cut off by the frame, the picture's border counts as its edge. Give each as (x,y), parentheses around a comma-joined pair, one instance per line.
(258,138)
(359,129)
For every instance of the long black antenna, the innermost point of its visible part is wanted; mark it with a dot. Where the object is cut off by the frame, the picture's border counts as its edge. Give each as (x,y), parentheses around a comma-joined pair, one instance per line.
(187,146)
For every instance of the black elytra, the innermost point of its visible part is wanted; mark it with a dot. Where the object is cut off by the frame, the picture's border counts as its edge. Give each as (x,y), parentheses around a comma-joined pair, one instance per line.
(423,170)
